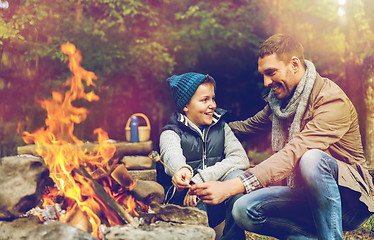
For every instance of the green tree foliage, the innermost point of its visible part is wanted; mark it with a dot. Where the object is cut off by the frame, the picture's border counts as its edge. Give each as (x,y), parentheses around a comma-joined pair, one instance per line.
(116,41)
(134,45)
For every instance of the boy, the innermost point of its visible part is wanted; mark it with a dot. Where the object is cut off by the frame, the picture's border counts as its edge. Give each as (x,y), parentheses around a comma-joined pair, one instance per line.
(199,146)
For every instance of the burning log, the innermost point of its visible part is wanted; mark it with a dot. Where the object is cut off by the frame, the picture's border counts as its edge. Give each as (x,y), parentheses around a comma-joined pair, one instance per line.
(145,191)
(122,148)
(76,167)
(80,220)
(105,197)
(122,176)
(32,148)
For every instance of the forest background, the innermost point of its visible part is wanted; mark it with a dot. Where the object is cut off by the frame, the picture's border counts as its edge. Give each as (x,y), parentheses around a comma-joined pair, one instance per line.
(134,45)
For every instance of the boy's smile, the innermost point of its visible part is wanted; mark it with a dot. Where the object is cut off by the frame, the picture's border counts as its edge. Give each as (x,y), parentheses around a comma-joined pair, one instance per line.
(201,107)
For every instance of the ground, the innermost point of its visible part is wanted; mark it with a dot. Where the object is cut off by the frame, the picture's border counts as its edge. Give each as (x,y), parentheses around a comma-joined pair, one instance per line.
(366,231)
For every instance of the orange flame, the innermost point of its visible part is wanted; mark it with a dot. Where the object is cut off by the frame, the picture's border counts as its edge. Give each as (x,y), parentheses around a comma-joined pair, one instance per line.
(62,151)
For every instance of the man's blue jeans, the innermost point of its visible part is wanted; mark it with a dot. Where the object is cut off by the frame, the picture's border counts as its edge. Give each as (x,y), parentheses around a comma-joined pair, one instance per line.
(318,209)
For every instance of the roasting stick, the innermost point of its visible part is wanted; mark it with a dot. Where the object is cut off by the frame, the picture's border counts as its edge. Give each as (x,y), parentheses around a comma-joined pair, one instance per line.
(156,157)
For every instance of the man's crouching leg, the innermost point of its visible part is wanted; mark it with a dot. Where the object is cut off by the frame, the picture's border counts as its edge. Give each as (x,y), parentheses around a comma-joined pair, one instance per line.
(276,211)
(320,173)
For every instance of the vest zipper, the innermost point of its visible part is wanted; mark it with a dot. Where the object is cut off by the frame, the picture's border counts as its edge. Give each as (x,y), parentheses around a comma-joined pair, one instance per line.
(204,155)
(204,148)
(205,135)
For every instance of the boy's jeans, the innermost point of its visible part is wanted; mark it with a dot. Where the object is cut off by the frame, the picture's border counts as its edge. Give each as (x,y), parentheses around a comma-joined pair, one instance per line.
(222,211)
(319,209)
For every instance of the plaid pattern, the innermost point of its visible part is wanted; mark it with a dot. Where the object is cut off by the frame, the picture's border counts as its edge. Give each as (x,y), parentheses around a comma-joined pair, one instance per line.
(250,182)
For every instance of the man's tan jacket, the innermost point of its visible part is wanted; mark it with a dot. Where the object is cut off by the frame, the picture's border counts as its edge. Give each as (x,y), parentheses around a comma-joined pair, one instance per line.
(330,124)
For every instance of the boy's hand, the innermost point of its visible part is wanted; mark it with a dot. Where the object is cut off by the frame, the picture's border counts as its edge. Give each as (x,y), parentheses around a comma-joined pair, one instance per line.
(182,178)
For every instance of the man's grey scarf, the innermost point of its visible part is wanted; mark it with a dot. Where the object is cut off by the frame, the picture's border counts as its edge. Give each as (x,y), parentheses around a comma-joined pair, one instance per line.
(295,108)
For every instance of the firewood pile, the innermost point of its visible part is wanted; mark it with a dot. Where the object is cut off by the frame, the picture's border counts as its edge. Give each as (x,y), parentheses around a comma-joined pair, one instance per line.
(24,178)
(134,156)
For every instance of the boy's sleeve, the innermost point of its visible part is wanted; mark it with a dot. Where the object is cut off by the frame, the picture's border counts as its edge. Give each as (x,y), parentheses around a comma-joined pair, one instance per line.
(171,152)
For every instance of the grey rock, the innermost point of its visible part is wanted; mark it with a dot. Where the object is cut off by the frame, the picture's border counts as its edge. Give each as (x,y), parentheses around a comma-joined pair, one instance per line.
(19,228)
(179,214)
(22,184)
(59,231)
(169,232)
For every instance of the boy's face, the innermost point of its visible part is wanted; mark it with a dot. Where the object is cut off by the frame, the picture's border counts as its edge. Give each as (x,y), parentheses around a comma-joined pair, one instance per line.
(202,105)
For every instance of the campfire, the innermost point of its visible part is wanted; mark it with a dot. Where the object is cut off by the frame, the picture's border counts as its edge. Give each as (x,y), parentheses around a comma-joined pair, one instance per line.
(89,187)
(84,187)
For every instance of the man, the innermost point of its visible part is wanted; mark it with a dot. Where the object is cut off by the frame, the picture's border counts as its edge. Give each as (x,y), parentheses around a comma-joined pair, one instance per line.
(318,149)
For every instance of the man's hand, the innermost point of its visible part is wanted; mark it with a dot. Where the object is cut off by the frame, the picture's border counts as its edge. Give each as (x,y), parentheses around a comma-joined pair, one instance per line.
(190,200)
(210,192)
(182,178)
(215,192)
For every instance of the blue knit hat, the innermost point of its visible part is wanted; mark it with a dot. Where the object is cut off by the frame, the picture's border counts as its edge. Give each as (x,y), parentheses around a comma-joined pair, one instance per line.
(184,87)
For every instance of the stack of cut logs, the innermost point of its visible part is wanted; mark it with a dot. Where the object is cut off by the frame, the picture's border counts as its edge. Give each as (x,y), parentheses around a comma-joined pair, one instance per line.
(22,182)
(134,155)
(133,169)
(140,166)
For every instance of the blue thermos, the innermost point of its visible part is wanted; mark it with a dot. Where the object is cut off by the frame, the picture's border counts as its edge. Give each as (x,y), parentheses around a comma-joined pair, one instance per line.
(134,133)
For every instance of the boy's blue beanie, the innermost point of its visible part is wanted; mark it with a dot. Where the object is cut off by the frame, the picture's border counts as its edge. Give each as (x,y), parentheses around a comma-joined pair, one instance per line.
(184,87)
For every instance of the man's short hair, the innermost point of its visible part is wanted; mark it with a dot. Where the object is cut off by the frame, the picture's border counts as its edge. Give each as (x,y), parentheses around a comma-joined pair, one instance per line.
(284,46)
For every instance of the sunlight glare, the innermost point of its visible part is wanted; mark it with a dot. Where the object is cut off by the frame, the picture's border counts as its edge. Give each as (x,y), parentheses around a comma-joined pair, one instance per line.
(341,11)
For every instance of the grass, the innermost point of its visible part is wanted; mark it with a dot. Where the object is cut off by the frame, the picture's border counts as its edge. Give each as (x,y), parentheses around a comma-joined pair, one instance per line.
(366,231)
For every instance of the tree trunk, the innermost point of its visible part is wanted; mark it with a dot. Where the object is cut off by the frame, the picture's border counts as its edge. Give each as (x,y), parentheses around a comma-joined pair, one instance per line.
(361,27)
(78,11)
(369,100)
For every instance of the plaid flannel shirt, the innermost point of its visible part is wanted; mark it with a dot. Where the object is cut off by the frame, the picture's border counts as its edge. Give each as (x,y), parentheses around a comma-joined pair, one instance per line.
(250,182)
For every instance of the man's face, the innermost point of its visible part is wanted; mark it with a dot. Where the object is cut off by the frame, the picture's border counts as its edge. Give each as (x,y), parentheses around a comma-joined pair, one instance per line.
(278,75)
